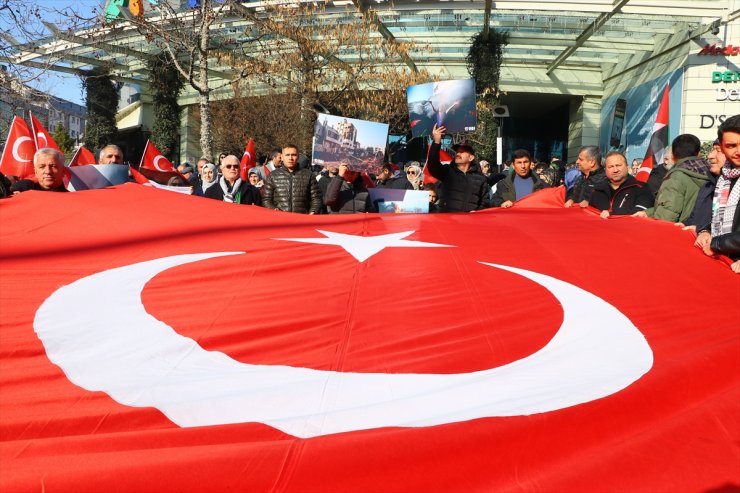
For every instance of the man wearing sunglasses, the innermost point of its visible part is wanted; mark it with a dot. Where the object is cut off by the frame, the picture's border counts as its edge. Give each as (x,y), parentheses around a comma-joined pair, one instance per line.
(230,187)
(464,188)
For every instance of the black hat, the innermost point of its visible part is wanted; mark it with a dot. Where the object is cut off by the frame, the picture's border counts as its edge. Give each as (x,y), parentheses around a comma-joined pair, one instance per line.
(465,145)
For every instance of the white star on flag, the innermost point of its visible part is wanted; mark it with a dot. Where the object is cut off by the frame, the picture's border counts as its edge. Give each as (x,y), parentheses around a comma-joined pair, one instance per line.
(364,247)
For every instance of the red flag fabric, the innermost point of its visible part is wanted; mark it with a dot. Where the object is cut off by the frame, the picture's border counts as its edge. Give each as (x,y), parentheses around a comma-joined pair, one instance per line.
(41,136)
(249,160)
(444,158)
(83,156)
(154,160)
(139,178)
(156,167)
(658,141)
(368,355)
(17,158)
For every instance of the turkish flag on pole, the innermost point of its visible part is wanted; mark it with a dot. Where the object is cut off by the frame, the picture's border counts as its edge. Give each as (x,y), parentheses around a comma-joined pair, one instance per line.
(568,383)
(83,156)
(17,158)
(154,160)
(658,141)
(249,160)
(161,168)
(41,136)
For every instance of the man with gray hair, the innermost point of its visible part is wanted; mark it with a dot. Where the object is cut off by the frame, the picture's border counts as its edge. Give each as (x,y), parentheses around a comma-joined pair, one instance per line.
(592,175)
(110,154)
(48,165)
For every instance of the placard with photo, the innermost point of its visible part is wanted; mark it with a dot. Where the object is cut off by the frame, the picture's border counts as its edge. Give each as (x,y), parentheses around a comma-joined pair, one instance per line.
(398,201)
(449,103)
(359,143)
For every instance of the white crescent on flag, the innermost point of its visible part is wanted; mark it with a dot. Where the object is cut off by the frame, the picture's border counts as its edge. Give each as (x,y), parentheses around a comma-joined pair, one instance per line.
(39,137)
(16,147)
(142,361)
(156,160)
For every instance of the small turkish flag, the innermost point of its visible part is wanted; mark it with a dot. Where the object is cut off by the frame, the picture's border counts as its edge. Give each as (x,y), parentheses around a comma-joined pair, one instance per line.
(17,158)
(41,136)
(444,158)
(249,160)
(154,160)
(83,156)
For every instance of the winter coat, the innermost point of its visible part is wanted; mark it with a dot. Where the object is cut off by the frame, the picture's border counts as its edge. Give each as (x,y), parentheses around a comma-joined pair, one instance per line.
(630,197)
(584,185)
(701,216)
(247,194)
(505,189)
(656,178)
(677,195)
(460,191)
(345,198)
(292,192)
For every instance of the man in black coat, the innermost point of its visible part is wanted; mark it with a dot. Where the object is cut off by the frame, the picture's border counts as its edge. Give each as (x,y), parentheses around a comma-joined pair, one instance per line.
(463,186)
(518,184)
(592,174)
(291,189)
(230,187)
(622,194)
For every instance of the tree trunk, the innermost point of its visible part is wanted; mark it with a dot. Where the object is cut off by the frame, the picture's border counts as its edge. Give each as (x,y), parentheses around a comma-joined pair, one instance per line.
(206,129)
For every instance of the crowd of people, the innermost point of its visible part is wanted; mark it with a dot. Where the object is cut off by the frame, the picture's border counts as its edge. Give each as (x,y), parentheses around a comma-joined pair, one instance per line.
(694,192)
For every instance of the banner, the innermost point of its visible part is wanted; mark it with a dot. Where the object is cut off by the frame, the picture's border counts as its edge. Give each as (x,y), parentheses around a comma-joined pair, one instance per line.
(658,141)
(358,143)
(92,176)
(448,103)
(245,349)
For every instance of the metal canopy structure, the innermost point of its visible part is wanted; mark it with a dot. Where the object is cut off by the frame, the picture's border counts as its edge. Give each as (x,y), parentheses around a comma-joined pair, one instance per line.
(585,39)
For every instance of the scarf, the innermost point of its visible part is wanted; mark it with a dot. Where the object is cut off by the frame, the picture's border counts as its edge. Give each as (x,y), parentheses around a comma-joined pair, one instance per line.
(205,185)
(724,202)
(229,196)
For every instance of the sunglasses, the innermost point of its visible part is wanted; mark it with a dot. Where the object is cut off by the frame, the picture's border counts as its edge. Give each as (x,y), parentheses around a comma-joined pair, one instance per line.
(231,166)
(411,172)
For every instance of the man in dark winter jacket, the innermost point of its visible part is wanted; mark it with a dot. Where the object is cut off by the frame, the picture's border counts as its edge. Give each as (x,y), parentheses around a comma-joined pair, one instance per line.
(592,174)
(677,194)
(230,187)
(291,189)
(518,184)
(346,193)
(723,236)
(463,186)
(622,194)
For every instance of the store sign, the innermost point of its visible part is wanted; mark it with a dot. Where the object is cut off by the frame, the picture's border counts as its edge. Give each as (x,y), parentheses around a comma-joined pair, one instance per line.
(724,94)
(727,76)
(715,50)
(711,121)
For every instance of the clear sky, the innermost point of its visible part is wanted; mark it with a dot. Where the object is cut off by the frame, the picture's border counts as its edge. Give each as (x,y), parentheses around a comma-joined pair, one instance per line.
(65,86)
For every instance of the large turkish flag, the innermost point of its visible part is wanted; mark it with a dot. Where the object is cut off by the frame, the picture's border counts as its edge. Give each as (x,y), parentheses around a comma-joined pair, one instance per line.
(227,347)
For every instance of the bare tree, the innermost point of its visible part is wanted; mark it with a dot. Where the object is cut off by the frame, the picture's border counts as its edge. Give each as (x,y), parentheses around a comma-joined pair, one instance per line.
(186,37)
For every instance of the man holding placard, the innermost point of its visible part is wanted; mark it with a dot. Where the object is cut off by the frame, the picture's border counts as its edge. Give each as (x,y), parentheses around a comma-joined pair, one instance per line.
(464,188)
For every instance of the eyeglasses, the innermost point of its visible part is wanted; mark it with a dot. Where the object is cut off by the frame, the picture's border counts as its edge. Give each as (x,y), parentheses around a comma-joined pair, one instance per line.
(411,172)
(231,166)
